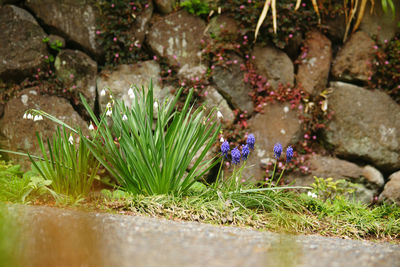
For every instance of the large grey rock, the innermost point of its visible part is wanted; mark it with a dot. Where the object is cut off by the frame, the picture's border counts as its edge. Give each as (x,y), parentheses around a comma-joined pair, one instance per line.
(368,179)
(20,134)
(365,125)
(230,84)
(22,49)
(315,64)
(213,99)
(273,64)
(391,192)
(140,26)
(176,38)
(353,61)
(78,72)
(120,80)
(73,19)
(277,123)
(223,27)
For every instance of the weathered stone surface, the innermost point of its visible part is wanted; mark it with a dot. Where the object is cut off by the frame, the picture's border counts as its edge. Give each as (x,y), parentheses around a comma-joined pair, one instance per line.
(213,99)
(120,80)
(273,64)
(315,63)
(54,39)
(72,19)
(22,50)
(78,72)
(230,84)
(353,61)
(140,27)
(368,179)
(165,6)
(276,124)
(391,191)
(20,134)
(381,24)
(223,27)
(365,125)
(176,37)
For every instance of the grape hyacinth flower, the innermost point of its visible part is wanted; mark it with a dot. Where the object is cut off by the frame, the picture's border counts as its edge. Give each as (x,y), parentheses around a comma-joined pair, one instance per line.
(245,152)
(225,149)
(277,150)
(235,154)
(289,154)
(251,141)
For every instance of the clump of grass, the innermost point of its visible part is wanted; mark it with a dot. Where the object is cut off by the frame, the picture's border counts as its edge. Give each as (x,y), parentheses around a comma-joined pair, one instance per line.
(268,210)
(148,153)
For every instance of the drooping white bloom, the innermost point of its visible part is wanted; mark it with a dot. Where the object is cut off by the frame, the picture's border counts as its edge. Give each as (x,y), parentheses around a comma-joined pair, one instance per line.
(71,140)
(24,117)
(36,118)
(124,117)
(311,194)
(103,92)
(108,105)
(222,140)
(91,127)
(155,105)
(219,115)
(130,91)
(109,112)
(39,118)
(30,117)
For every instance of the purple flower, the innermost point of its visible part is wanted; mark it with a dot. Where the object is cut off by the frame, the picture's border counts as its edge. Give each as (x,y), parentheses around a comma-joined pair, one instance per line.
(225,149)
(245,152)
(289,154)
(235,154)
(251,141)
(277,150)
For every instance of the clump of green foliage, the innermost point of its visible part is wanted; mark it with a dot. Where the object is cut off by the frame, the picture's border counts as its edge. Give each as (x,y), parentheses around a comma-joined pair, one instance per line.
(148,157)
(19,187)
(196,7)
(330,189)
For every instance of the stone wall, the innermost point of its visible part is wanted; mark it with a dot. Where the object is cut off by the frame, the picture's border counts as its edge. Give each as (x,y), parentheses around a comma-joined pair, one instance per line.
(362,139)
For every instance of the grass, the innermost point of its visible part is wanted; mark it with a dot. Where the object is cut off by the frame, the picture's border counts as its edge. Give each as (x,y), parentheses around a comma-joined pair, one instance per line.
(277,211)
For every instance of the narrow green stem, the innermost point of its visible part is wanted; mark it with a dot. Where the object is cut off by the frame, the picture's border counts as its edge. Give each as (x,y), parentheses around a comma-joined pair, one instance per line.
(219,172)
(280,176)
(273,174)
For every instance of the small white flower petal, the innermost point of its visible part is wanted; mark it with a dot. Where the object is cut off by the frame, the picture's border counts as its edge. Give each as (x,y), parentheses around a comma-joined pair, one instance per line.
(219,115)
(108,105)
(155,105)
(311,194)
(24,117)
(130,91)
(36,118)
(103,92)
(109,112)
(91,127)
(124,117)
(40,118)
(71,140)
(222,140)
(30,117)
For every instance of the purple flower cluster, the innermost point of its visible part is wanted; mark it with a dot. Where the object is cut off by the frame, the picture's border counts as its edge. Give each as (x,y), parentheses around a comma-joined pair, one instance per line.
(278,152)
(235,153)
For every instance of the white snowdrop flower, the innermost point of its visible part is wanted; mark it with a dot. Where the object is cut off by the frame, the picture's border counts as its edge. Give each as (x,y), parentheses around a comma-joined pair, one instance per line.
(108,105)
(91,127)
(30,117)
(222,140)
(130,91)
(24,117)
(103,92)
(36,118)
(219,115)
(39,118)
(311,194)
(109,112)
(155,105)
(124,117)
(71,140)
